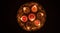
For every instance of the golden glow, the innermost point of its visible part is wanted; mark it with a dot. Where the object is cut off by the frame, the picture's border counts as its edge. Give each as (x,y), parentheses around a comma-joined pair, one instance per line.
(33,28)
(23,18)
(31,17)
(34,8)
(28,28)
(37,22)
(20,18)
(24,8)
(42,14)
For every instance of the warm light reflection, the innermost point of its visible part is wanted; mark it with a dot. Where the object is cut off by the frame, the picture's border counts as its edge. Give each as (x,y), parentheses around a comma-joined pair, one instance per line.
(33,28)
(42,14)
(31,17)
(24,18)
(34,8)
(24,8)
(37,22)
(28,28)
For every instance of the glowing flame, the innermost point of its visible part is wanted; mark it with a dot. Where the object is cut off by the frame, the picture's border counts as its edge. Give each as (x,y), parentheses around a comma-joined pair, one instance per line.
(23,18)
(31,17)
(37,22)
(34,8)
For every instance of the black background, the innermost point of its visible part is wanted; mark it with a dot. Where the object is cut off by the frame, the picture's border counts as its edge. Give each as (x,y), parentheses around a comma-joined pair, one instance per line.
(10,24)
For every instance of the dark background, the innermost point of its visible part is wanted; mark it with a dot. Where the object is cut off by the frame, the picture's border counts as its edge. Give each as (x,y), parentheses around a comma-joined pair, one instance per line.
(10,25)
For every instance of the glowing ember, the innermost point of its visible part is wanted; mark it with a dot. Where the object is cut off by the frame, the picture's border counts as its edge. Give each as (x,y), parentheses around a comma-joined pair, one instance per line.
(37,22)
(31,17)
(24,18)
(34,8)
